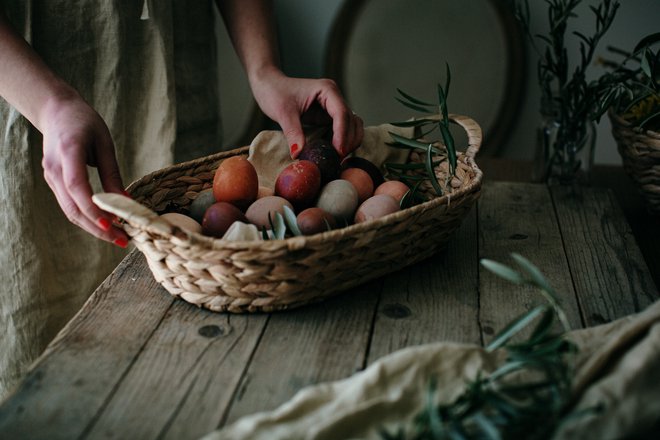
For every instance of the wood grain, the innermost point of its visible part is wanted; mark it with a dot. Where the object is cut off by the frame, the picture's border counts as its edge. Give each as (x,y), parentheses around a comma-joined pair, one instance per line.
(520,218)
(318,343)
(609,273)
(71,382)
(435,300)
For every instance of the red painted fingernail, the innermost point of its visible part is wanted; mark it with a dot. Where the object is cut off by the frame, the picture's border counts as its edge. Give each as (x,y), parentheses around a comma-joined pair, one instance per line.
(121,242)
(295,149)
(104,223)
(127,194)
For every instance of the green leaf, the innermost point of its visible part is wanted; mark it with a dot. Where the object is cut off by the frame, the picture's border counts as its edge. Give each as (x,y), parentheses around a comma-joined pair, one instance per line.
(447,82)
(413,99)
(291,221)
(443,105)
(515,327)
(533,272)
(431,172)
(649,40)
(264,233)
(413,106)
(409,142)
(451,149)
(488,428)
(502,271)
(413,122)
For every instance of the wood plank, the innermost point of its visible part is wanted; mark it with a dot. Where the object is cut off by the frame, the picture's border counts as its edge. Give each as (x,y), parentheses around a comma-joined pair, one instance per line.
(432,301)
(71,382)
(184,379)
(610,275)
(317,343)
(516,217)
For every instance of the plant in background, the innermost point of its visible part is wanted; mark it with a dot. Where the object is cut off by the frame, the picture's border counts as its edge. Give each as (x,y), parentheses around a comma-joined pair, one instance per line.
(635,83)
(570,104)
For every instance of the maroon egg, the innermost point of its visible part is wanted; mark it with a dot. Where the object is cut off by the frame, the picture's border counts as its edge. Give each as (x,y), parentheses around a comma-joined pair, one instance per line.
(299,183)
(323,155)
(366,165)
(315,220)
(219,217)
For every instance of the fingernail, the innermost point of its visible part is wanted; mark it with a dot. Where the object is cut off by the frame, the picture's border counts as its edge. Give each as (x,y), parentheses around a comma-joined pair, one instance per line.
(104,223)
(295,149)
(127,194)
(121,242)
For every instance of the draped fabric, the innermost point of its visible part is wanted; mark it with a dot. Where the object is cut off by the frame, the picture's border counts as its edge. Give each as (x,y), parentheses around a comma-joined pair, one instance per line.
(149,68)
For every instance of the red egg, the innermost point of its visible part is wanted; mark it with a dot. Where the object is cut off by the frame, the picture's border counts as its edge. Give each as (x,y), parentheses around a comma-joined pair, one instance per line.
(314,220)
(361,181)
(219,217)
(299,183)
(236,182)
(323,155)
(392,188)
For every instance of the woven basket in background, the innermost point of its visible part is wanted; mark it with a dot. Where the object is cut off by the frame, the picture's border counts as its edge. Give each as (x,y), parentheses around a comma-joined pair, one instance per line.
(640,151)
(250,276)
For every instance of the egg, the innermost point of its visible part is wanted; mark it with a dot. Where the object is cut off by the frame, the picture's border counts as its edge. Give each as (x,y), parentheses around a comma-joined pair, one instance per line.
(323,155)
(375,207)
(314,220)
(361,181)
(257,213)
(265,191)
(219,217)
(366,165)
(236,182)
(393,188)
(182,222)
(299,183)
(201,203)
(340,199)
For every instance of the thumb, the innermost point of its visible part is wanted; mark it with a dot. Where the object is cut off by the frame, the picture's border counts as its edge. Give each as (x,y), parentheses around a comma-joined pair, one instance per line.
(295,137)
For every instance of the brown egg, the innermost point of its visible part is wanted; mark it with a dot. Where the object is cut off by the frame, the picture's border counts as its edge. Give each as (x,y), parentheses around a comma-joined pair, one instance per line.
(340,199)
(324,155)
(257,213)
(265,191)
(366,165)
(361,181)
(314,220)
(299,183)
(219,217)
(376,207)
(392,188)
(182,221)
(236,182)
(199,206)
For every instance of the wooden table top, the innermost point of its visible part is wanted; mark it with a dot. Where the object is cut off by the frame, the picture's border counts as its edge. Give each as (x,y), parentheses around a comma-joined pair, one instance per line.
(137,363)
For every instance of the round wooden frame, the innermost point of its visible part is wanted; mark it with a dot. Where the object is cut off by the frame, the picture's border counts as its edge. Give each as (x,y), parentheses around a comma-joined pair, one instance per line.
(516,71)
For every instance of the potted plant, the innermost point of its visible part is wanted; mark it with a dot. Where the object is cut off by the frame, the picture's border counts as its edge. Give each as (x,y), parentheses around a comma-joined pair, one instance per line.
(634,91)
(571,104)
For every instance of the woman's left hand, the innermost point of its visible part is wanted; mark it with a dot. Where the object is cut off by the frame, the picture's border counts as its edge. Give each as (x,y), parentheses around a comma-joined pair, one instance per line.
(292,102)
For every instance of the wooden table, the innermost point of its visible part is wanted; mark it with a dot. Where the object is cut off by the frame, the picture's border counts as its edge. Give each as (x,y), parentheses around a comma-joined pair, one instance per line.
(136,363)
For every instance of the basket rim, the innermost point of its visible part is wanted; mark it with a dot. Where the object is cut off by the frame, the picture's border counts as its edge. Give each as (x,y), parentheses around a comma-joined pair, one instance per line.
(619,121)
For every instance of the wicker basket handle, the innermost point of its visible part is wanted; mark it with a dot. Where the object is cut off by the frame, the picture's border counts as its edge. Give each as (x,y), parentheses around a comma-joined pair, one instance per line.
(133,212)
(473,131)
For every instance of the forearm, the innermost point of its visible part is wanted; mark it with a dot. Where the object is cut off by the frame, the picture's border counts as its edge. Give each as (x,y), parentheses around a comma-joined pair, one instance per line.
(26,82)
(252,31)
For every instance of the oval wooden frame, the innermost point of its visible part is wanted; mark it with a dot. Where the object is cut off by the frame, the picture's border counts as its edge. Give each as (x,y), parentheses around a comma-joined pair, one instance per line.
(516,66)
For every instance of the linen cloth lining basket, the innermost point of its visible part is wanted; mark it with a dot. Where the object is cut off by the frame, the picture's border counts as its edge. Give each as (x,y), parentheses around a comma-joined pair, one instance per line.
(640,152)
(252,276)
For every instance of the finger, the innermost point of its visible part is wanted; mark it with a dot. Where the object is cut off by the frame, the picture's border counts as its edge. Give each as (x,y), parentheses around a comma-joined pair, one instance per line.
(107,166)
(342,130)
(292,129)
(358,134)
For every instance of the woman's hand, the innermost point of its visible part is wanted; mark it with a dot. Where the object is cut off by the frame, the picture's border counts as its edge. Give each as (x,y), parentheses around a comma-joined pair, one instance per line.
(292,102)
(75,136)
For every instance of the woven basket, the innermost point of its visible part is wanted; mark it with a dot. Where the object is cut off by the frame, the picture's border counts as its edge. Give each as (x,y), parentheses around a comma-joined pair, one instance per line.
(250,276)
(640,151)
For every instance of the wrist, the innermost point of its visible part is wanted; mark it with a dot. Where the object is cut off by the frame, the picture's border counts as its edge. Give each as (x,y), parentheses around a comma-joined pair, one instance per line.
(58,98)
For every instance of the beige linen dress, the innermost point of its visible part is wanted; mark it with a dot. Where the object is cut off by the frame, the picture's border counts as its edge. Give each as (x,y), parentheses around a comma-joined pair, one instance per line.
(149,68)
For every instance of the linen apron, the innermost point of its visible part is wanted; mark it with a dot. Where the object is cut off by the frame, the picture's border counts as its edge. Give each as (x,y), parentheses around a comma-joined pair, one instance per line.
(149,68)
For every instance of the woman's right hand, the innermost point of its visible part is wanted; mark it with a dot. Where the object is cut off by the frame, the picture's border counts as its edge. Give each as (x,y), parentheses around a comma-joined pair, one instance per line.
(74,136)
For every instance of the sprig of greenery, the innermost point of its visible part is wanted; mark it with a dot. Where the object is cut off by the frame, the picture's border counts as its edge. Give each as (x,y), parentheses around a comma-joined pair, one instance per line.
(281,225)
(430,149)
(500,405)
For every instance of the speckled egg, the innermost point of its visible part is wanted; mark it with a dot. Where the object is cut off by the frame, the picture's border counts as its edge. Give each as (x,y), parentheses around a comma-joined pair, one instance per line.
(182,221)
(257,213)
(314,220)
(376,207)
(361,181)
(340,199)
(393,188)
(299,183)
